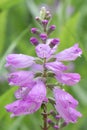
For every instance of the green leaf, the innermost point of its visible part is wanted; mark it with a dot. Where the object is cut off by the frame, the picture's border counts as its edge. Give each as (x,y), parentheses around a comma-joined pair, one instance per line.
(12,47)
(68,34)
(32,8)
(5,99)
(6,4)
(3,20)
(81,94)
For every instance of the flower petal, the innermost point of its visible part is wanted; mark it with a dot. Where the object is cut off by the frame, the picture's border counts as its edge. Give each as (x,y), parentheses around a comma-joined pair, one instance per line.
(65,98)
(22,92)
(65,105)
(55,66)
(38,92)
(30,103)
(68,78)
(21,78)
(19,60)
(69,54)
(43,51)
(36,68)
(22,107)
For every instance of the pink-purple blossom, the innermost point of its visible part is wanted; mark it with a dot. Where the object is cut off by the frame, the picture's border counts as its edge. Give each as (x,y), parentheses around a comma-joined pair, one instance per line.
(69,54)
(29,103)
(56,66)
(34,82)
(66,105)
(22,107)
(19,60)
(21,78)
(43,51)
(68,78)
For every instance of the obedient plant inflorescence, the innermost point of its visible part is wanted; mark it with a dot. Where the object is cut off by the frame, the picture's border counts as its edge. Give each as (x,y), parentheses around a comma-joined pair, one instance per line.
(46,71)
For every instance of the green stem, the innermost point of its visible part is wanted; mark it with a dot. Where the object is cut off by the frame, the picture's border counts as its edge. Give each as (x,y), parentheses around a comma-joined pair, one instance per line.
(45,115)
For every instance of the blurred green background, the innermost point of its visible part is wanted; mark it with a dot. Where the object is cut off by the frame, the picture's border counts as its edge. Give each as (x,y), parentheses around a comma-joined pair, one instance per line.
(16,19)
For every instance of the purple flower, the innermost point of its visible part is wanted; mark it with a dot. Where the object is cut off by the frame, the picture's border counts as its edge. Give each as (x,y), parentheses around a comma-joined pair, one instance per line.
(31,102)
(33,82)
(69,54)
(19,60)
(23,91)
(43,51)
(21,78)
(68,78)
(38,92)
(55,66)
(36,68)
(22,107)
(66,105)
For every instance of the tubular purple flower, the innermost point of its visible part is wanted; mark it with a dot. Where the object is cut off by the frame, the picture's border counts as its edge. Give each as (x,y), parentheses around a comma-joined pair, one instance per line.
(38,92)
(33,82)
(31,102)
(19,60)
(36,68)
(68,78)
(22,92)
(43,51)
(22,107)
(65,105)
(55,66)
(69,54)
(21,78)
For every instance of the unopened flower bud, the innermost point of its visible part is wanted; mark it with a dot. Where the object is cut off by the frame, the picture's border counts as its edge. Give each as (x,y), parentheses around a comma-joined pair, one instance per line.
(39,20)
(42,13)
(57,117)
(48,15)
(56,127)
(50,122)
(43,36)
(53,113)
(54,42)
(48,12)
(64,124)
(34,30)
(51,29)
(45,22)
(34,41)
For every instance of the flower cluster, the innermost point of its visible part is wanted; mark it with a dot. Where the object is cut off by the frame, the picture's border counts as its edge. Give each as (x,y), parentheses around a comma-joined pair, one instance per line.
(34,82)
